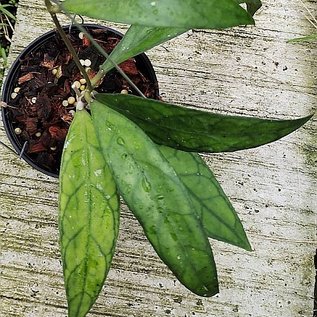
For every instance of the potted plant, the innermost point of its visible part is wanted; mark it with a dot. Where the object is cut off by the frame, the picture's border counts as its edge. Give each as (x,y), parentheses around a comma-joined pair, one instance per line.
(146,151)
(41,97)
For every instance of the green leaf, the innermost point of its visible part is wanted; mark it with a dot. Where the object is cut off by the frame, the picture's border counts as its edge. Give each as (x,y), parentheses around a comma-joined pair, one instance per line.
(198,131)
(158,199)
(6,12)
(88,218)
(252,5)
(164,13)
(139,39)
(212,205)
(308,38)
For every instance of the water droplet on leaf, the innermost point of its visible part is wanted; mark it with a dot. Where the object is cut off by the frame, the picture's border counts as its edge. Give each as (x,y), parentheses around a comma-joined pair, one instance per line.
(120,141)
(128,189)
(146,185)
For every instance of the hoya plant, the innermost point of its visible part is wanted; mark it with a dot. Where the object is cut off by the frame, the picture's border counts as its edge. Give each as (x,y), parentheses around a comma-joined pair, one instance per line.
(146,151)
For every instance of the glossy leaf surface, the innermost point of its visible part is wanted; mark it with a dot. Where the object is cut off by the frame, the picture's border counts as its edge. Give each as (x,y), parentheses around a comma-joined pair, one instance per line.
(139,39)
(212,205)
(88,216)
(158,199)
(198,131)
(164,13)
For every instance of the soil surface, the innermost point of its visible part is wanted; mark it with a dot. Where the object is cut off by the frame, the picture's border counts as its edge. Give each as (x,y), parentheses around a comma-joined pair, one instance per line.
(42,93)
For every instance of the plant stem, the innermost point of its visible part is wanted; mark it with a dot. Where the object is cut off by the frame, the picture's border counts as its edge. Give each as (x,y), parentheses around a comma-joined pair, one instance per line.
(68,44)
(101,72)
(98,77)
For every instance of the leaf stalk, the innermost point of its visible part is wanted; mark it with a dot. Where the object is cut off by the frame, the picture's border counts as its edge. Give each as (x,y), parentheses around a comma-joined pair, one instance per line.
(68,44)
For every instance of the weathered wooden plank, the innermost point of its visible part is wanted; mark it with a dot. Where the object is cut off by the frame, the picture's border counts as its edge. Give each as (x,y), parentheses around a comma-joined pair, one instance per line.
(243,71)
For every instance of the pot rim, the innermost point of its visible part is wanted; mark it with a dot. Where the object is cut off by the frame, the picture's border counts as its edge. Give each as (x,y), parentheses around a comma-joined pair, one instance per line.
(12,77)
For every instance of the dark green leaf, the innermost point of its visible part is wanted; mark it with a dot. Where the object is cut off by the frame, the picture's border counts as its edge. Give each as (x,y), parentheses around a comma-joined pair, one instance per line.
(139,39)
(212,205)
(164,13)
(252,5)
(89,216)
(198,131)
(158,199)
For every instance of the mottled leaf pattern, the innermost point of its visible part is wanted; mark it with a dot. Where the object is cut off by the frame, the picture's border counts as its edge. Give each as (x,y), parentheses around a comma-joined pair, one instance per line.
(139,39)
(214,208)
(164,13)
(89,216)
(158,199)
(198,131)
(173,194)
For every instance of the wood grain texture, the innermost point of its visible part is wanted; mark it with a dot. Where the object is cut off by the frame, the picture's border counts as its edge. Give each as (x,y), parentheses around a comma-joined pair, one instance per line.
(251,71)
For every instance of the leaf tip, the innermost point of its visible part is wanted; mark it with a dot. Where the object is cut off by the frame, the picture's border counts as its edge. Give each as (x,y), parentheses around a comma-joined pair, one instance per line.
(209,290)
(247,246)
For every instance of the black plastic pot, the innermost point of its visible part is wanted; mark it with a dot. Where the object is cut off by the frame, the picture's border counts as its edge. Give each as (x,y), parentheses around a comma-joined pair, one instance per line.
(142,62)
